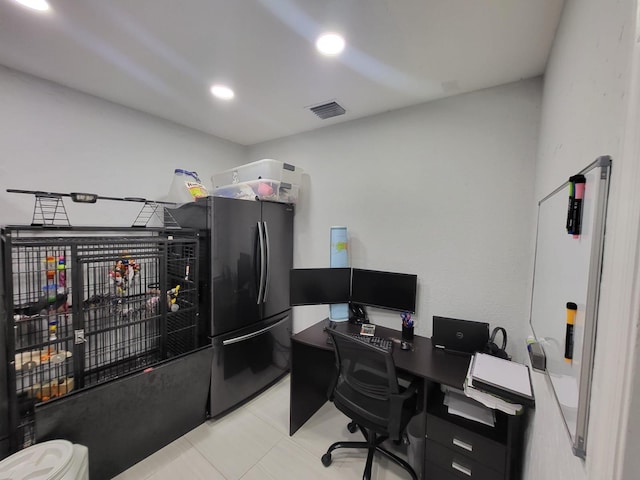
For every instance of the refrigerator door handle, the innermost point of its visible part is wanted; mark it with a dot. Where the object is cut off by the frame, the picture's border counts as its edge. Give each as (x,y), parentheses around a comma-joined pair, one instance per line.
(242,338)
(262,262)
(268,249)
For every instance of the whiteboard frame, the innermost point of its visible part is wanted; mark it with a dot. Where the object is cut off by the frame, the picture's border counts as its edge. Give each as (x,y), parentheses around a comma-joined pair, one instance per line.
(579,437)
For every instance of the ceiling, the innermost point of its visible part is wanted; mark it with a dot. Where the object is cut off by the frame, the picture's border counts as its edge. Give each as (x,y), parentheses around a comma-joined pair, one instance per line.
(161,56)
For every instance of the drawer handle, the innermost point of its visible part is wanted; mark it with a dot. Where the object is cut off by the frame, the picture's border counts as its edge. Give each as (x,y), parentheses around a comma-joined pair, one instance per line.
(459,443)
(461,469)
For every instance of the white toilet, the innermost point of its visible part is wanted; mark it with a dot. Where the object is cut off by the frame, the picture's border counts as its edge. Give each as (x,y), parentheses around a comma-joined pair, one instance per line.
(52,460)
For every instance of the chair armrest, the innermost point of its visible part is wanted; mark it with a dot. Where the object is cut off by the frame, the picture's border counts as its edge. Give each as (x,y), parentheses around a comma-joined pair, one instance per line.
(333,383)
(411,390)
(396,406)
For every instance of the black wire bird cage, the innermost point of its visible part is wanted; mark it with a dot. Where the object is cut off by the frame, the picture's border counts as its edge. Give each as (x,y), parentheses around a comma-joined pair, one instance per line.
(88,306)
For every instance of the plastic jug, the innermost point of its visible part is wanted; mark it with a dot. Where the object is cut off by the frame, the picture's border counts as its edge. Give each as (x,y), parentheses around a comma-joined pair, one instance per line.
(186,187)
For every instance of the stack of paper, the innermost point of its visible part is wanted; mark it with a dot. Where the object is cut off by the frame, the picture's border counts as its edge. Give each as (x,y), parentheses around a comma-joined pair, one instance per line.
(509,380)
(499,383)
(458,404)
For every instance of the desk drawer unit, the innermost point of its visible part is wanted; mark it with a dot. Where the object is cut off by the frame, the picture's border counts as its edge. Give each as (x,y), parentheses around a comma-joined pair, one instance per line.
(465,442)
(455,465)
(459,448)
(437,473)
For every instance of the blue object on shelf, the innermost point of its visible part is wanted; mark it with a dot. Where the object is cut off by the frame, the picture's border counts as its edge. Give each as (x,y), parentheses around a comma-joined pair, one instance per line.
(339,257)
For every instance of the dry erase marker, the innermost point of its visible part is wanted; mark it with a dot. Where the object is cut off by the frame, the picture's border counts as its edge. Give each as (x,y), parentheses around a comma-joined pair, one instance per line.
(572,187)
(572,308)
(579,181)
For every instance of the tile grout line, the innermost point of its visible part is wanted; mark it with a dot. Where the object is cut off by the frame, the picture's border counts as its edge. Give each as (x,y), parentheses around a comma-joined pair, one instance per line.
(249,412)
(282,437)
(272,447)
(193,447)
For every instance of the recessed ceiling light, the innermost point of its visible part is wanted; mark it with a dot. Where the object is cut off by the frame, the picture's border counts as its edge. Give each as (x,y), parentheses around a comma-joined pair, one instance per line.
(330,44)
(222,91)
(40,5)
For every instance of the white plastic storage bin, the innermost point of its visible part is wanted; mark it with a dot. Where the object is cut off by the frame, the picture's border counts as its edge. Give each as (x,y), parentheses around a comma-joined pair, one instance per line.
(260,190)
(262,169)
(52,460)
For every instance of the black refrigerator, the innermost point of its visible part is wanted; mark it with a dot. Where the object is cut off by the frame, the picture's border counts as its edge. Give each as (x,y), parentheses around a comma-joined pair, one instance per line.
(246,254)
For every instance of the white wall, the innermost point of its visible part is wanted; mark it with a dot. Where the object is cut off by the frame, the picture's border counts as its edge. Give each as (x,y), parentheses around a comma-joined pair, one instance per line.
(586,91)
(59,140)
(629,420)
(443,190)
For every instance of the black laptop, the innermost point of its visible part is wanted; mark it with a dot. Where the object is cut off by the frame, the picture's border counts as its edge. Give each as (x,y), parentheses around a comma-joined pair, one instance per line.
(459,336)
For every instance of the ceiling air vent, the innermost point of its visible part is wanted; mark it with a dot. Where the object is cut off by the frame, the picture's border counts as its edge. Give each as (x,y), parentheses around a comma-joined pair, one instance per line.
(328,110)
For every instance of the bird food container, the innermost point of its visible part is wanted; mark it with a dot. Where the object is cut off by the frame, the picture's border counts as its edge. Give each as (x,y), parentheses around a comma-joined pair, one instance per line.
(186,187)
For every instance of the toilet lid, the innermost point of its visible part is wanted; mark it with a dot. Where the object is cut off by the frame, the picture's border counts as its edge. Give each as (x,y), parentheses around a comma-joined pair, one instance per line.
(42,461)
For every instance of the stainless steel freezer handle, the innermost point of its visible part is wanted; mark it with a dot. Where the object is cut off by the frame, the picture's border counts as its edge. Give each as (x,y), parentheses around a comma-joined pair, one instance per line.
(268,248)
(262,262)
(253,334)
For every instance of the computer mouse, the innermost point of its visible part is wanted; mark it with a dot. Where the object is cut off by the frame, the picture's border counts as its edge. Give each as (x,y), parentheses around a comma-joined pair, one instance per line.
(405,345)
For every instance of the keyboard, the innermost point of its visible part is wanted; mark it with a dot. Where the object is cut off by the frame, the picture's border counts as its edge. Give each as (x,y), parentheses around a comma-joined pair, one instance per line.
(380,342)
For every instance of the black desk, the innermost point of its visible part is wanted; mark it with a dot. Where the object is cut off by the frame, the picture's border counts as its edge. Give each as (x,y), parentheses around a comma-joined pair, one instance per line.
(313,369)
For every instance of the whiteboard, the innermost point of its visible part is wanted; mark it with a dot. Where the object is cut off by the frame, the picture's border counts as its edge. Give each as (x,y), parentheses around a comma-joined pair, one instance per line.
(568,269)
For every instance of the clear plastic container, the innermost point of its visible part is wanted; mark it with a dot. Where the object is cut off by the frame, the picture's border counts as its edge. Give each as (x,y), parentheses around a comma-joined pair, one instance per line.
(186,187)
(260,190)
(262,169)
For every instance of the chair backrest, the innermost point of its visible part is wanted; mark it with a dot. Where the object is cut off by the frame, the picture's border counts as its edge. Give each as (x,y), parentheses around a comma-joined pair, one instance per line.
(365,383)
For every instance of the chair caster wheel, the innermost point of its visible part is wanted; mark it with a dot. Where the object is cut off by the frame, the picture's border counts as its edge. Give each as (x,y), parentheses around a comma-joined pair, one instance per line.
(326,459)
(352,427)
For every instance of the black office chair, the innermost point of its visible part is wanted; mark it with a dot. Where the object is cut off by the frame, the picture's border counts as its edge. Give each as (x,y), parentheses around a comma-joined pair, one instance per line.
(367,391)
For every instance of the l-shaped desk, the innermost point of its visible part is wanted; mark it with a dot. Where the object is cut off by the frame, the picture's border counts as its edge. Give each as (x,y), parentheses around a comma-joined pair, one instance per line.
(455,447)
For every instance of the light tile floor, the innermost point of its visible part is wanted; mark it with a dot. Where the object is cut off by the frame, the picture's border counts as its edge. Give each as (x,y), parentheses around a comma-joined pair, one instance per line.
(253,443)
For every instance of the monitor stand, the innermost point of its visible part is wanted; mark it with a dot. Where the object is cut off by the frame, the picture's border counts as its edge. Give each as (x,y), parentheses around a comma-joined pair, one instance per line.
(358,314)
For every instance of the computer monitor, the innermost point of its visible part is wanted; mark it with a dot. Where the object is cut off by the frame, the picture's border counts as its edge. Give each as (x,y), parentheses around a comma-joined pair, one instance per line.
(316,286)
(392,291)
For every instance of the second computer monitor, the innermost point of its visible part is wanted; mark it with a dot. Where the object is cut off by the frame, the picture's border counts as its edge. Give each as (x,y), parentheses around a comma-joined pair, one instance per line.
(393,291)
(316,286)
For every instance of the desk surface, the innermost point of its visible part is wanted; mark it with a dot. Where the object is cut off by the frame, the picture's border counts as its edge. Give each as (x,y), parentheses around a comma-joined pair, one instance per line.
(313,370)
(423,360)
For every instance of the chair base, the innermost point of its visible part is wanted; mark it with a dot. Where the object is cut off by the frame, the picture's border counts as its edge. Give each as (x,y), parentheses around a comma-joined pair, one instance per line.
(372,444)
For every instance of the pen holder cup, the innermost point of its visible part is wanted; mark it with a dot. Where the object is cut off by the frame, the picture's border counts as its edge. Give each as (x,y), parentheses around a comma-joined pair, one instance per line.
(407,333)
